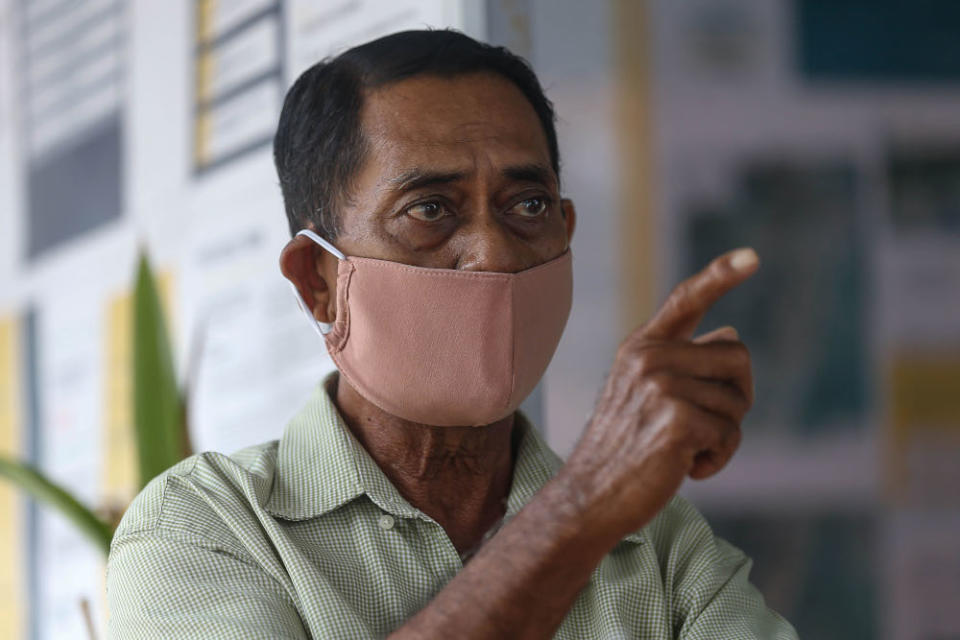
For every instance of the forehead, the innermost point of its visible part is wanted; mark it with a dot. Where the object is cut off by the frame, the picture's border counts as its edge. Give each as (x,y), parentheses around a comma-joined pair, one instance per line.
(425,120)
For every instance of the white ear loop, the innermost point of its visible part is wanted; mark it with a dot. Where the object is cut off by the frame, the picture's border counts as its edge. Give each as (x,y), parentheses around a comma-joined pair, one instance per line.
(323,328)
(323,243)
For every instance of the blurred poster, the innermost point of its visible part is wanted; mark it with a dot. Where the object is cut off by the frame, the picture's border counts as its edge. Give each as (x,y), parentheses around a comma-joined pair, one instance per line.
(253,359)
(722,40)
(320,29)
(925,189)
(248,52)
(920,261)
(238,73)
(67,448)
(920,267)
(820,570)
(72,90)
(239,41)
(12,566)
(924,576)
(802,313)
(883,41)
(119,478)
(924,409)
(508,24)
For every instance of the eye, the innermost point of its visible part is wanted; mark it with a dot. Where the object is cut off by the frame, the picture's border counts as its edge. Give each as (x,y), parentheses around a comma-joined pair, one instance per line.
(427,211)
(531,207)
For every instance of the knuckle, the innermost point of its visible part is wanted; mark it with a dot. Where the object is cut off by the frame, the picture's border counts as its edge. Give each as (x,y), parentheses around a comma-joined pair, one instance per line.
(660,385)
(626,361)
(679,301)
(745,351)
(625,351)
(645,361)
(676,413)
(737,350)
(740,355)
(661,407)
(718,269)
(633,338)
(632,345)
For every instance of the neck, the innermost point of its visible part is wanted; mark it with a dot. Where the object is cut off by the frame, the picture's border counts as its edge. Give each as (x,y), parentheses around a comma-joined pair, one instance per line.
(459,476)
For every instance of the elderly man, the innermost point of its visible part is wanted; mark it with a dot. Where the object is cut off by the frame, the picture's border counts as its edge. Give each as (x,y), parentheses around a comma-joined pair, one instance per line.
(409,498)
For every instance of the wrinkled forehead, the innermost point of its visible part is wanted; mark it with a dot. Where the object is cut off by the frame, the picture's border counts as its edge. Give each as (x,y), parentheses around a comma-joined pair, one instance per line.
(463,120)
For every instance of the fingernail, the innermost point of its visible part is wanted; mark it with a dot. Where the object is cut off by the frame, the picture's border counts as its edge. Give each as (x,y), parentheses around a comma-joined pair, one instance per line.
(743,259)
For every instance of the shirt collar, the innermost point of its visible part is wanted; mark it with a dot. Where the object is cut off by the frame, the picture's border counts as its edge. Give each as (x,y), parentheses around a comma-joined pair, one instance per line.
(321,466)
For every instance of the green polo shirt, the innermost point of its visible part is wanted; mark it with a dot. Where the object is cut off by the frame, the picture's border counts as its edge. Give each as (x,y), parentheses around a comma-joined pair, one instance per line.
(305,537)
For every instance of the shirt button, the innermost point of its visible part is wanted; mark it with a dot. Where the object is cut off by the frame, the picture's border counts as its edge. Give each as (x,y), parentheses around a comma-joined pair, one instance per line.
(385,522)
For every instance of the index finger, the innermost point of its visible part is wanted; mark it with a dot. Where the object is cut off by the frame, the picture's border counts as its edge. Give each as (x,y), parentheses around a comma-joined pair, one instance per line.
(686,305)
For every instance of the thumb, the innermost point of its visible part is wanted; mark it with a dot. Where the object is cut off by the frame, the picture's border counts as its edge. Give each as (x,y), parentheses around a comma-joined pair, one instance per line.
(727,333)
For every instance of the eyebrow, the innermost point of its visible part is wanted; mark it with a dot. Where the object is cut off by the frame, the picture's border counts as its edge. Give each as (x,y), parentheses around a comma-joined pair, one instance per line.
(418,178)
(532,172)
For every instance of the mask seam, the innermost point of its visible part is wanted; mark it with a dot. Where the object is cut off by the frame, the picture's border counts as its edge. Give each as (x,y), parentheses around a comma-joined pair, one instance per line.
(513,349)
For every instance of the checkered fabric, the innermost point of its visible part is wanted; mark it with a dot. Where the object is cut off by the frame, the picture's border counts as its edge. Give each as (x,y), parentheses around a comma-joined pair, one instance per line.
(305,537)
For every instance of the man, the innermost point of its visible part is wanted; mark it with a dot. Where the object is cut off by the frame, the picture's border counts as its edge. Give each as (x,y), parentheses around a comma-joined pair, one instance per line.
(409,498)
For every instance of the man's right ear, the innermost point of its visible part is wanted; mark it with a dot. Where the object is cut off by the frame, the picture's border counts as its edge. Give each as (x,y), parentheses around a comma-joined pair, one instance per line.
(313,272)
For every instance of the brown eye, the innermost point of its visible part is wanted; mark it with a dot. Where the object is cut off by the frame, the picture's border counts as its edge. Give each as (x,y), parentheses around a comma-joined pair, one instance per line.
(531,207)
(427,211)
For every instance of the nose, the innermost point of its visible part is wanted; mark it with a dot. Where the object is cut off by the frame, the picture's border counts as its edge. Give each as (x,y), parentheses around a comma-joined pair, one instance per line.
(490,247)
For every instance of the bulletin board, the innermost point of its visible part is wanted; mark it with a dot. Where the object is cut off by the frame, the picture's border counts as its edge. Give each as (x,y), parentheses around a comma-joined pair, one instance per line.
(778,126)
(129,127)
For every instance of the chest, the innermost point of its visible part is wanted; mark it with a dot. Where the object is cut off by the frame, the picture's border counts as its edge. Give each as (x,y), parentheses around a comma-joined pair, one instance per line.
(359,572)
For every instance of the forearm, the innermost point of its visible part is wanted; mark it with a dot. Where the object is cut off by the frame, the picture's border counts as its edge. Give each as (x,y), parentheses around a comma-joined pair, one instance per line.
(671,407)
(523,582)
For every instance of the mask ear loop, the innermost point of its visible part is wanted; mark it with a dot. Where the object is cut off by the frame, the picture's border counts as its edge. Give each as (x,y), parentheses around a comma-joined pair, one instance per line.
(322,328)
(323,243)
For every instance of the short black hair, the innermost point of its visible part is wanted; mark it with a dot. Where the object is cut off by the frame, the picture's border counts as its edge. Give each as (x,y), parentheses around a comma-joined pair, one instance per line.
(319,144)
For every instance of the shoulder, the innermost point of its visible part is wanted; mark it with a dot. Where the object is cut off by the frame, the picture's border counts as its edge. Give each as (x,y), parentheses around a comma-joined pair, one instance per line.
(678,523)
(197,495)
(685,545)
(707,580)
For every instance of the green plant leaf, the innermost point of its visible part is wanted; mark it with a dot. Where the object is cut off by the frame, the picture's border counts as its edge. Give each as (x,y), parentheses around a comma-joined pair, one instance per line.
(158,409)
(43,490)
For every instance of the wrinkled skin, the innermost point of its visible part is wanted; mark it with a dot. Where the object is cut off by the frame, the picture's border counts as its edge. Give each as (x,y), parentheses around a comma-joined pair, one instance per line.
(457,175)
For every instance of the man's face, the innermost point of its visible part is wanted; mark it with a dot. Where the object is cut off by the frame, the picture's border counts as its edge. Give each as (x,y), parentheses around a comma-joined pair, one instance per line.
(456,175)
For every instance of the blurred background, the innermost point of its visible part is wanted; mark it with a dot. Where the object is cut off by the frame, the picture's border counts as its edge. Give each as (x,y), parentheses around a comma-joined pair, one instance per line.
(824,133)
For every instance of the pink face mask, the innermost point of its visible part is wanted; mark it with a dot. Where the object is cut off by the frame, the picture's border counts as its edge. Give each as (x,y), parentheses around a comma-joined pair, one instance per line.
(443,346)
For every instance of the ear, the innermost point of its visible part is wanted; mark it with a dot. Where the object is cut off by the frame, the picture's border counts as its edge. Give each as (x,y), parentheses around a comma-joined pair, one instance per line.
(313,272)
(569,217)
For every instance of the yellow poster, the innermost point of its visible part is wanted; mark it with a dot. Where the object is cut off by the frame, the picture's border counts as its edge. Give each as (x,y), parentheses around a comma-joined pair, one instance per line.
(119,471)
(924,427)
(11,549)
(925,392)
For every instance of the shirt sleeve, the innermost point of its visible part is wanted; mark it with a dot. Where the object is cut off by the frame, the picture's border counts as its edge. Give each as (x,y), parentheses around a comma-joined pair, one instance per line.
(162,586)
(708,582)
